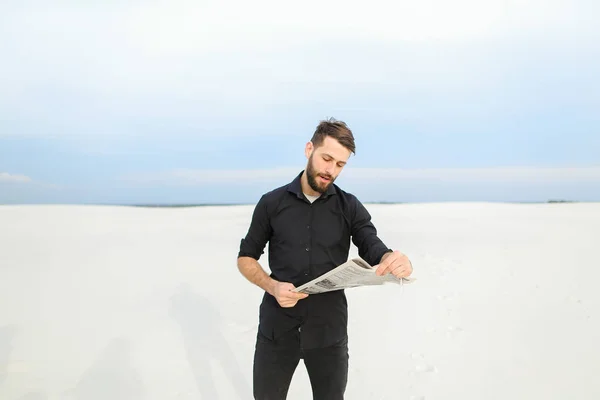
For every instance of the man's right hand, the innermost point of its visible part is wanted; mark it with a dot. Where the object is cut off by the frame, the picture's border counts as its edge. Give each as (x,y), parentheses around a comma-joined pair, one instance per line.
(282,291)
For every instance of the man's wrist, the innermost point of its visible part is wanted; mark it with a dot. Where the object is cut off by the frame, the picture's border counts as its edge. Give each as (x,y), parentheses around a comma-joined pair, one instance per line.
(269,286)
(385,255)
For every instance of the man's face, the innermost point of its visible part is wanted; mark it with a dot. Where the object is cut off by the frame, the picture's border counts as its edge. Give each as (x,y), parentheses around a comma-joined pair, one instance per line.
(325,163)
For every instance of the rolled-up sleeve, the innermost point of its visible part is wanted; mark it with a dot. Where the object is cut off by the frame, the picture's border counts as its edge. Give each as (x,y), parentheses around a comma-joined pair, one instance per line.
(259,232)
(364,235)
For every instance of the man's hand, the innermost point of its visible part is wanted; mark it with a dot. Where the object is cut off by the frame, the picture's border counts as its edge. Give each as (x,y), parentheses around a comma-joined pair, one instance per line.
(282,291)
(395,263)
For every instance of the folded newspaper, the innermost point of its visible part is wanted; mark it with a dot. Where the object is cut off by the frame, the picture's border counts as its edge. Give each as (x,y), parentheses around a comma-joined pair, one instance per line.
(354,272)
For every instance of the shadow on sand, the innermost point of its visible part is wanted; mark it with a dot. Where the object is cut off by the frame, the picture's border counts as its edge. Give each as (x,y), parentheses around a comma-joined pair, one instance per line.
(111,376)
(7,334)
(34,396)
(201,328)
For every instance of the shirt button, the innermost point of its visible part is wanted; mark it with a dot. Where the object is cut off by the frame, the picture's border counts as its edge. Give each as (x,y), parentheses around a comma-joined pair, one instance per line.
(307,226)
(307,249)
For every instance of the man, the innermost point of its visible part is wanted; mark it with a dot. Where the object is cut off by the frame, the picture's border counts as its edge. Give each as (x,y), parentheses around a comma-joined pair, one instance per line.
(309,224)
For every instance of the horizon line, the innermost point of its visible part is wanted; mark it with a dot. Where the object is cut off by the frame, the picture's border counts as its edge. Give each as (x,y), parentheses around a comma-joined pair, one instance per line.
(225,204)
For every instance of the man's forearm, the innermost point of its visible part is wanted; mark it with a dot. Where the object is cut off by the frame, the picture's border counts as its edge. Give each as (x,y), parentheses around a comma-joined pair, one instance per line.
(253,271)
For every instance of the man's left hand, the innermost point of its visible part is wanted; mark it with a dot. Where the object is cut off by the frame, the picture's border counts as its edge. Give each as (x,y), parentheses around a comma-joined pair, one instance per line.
(395,263)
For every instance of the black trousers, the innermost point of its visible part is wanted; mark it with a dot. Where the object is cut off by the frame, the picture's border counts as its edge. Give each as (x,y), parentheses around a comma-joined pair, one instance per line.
(276,361)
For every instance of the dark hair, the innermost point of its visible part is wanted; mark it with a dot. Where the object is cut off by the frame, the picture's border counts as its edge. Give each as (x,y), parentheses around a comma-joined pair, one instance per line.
(335,129)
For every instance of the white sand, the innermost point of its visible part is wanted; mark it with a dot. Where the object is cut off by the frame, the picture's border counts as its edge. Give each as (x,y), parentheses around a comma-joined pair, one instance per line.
(132,303)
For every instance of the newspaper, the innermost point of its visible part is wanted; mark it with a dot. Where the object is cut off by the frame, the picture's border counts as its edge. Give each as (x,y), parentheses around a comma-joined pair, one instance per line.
(354,272)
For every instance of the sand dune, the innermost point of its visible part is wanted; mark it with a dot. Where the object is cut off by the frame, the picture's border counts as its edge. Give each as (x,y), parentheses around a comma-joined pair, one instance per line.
(147,303)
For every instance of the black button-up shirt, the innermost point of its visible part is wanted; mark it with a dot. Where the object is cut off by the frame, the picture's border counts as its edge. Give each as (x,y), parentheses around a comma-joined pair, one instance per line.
(305,241)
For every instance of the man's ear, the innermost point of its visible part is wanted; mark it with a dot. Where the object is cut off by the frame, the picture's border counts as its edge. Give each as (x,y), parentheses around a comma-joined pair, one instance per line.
(308,149)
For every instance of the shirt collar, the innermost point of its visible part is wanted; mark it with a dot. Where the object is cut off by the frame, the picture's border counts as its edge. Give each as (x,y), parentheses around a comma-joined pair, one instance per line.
(295,187)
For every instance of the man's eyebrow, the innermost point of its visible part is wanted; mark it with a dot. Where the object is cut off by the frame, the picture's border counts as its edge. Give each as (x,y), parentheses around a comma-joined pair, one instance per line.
(330,156)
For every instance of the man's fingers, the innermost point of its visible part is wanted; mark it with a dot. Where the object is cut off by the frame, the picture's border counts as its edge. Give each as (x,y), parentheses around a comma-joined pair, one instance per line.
(391,264)
(287,303)
(288,294)
(386,266)
(382,268)
(285,290)
(402,270)
(294,295)
(396,268)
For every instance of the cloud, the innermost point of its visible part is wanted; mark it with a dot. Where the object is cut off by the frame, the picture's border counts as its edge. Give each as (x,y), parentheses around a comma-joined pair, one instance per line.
(196,66)
(487,175)
(12,178)
(194,177)
(26,182)
(360,176)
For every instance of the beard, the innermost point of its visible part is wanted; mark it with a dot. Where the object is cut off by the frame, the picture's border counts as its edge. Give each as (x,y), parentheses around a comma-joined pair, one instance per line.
(312,176)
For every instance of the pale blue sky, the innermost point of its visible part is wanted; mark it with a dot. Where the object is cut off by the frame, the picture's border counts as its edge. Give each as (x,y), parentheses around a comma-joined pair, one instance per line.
(195,102)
